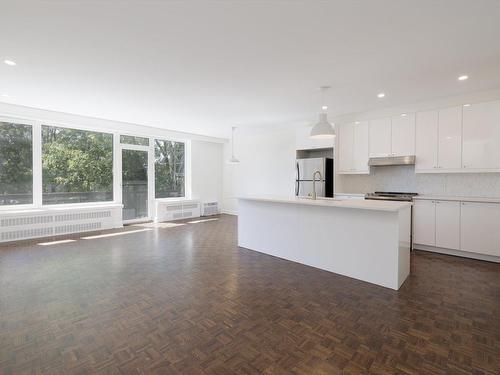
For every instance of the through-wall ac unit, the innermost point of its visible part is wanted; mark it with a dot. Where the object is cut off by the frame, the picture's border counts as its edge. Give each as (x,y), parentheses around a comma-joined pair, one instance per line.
(210,208)
(176,210)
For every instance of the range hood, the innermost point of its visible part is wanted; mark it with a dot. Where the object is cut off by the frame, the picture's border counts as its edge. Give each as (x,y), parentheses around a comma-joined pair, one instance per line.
(392,160)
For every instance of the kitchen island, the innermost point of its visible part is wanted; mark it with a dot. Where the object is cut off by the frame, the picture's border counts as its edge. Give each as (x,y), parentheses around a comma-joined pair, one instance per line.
(363,239)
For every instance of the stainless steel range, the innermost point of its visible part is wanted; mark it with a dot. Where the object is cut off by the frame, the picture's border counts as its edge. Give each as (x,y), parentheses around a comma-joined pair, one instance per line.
(391,196)
(395,196)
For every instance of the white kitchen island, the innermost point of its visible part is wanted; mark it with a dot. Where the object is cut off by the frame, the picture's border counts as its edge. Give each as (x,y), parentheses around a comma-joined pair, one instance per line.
(364,239)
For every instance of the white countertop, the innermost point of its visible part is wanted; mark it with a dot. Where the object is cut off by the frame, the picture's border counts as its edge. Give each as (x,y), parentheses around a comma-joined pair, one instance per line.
(374,205)
(457,198)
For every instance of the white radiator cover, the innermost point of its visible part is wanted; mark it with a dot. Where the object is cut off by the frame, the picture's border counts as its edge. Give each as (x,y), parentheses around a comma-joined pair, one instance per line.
(45,222)
(210,208)
(175,210)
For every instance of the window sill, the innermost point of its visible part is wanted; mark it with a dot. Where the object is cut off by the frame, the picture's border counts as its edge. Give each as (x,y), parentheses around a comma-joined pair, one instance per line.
(167,200)
(59,207)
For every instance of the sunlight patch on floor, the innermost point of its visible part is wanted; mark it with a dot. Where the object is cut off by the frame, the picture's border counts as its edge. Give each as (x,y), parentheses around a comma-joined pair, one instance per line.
(202,221)
(159,225)
(116,234)
(55,242)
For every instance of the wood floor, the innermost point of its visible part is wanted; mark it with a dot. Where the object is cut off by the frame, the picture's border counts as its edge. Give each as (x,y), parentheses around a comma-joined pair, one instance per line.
(187,300)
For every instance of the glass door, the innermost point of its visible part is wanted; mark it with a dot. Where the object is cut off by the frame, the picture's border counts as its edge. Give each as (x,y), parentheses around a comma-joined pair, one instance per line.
(135,184)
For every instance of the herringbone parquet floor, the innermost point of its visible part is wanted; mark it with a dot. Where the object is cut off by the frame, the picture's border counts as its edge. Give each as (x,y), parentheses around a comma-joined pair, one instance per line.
(186,300)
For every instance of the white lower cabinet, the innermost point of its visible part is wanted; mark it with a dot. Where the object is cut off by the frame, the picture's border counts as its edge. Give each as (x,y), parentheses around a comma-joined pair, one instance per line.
(448,224)
(466,226)
(480,228)
(424,222)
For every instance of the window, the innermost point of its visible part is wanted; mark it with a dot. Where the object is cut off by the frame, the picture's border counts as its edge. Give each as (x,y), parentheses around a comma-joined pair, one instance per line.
(169,169)
(16,164)
(132,140)
(77,166)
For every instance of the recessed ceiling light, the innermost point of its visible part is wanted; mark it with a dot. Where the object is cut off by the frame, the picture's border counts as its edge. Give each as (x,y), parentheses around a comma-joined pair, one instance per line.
(463,78)
(10,62)
(403,114)
(357,122)
(324,108)
(380,95)
(5,95)
(466,105)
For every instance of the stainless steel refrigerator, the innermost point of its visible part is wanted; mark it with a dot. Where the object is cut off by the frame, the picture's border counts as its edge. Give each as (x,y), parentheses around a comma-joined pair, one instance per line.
(305,169)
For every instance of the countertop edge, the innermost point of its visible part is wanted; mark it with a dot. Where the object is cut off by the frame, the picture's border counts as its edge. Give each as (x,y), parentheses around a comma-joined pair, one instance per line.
(384,206)
(457,198)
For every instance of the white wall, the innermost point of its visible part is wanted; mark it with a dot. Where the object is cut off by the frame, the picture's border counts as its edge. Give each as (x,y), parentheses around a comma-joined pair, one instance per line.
(206,171)
(267,165)
(267,162)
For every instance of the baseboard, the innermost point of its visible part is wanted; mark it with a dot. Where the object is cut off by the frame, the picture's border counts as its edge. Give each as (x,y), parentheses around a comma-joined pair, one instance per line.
(459,253)
(234,213)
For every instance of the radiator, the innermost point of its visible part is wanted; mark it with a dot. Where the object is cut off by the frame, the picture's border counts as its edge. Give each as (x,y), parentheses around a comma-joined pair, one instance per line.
(54,222)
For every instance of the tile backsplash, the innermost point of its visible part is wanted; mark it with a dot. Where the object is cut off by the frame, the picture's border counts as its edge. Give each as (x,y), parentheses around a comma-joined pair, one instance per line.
(404,178)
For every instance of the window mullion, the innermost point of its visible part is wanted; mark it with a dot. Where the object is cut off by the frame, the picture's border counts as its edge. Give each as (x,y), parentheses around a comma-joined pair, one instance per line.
(37,164)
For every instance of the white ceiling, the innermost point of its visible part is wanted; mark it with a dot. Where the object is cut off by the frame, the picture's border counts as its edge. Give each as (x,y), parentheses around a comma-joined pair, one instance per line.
(204,66)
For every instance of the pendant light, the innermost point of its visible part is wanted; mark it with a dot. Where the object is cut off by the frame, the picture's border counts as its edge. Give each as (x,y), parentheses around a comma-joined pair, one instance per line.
(323,129)
(233,159)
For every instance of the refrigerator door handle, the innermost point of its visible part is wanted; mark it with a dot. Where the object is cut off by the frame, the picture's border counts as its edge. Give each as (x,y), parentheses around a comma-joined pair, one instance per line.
(297,183)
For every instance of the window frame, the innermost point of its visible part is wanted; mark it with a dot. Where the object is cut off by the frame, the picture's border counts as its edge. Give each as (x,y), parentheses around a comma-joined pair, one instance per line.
(22,121)
(84,204)
(187,146)
(117,149)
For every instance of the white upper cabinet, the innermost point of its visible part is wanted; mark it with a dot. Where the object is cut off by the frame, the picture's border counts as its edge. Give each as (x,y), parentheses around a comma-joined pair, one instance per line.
(426,143)
(304,142)
(345,136)
(481,136)
(353,148)
(403,135)
(380,137)
(450,138)
(361,147)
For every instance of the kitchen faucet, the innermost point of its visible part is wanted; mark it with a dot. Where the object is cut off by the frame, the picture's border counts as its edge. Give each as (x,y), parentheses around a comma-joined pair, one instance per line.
(314,183)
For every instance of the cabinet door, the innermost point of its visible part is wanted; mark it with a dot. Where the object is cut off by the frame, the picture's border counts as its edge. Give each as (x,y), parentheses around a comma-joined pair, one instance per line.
(426,141)
(450,138)
(380,137)
(424,222)
(448,224)
(481,136)
(346,142)
(403,135)
(479,229)
(361,144)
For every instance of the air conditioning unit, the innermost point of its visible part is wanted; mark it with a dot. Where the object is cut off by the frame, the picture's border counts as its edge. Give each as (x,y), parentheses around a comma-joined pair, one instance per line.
(210,208)
(175,210)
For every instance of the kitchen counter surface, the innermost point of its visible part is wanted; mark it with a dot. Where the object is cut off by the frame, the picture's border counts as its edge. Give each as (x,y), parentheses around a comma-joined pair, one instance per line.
(390,206)
(457,198)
